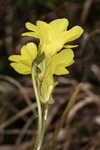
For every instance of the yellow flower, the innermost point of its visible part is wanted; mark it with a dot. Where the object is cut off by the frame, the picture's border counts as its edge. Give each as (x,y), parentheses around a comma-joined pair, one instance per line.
(56,66)
(23,63)
(54,38)
(53,35)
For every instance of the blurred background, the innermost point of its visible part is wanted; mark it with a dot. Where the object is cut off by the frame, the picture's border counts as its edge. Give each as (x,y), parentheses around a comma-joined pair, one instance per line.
(18,111)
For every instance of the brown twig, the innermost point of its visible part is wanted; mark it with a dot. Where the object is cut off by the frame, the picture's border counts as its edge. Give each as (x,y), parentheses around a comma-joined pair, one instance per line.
(16,132)
(18,85)
(86,9)
(17,116)
(22,133)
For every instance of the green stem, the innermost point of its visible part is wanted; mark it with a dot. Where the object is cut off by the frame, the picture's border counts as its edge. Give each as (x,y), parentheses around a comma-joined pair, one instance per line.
(39,133)
(44,119)
(63,117)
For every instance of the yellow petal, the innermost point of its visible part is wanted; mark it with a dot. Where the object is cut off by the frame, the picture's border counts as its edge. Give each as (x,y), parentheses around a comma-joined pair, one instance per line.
(60,70)
(31,26)
(15,58)
(47,38)
(60,24)
(32,34)
(21,68)
(20,58)
(46,32)
(70,46)
(29,51)
(65,57)
(72,34)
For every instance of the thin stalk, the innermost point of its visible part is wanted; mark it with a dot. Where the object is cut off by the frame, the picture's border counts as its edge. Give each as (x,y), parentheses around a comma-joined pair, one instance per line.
(63,117)
(45,113)
(39,132)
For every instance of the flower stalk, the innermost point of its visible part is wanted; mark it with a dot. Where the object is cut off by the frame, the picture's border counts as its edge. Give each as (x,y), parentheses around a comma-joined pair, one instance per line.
(42,117)
(39,132)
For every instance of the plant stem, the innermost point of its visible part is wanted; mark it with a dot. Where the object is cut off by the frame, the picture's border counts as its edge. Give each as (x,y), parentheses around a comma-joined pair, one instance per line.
(41,117)
(63,117)
(44,119)
(39,133)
